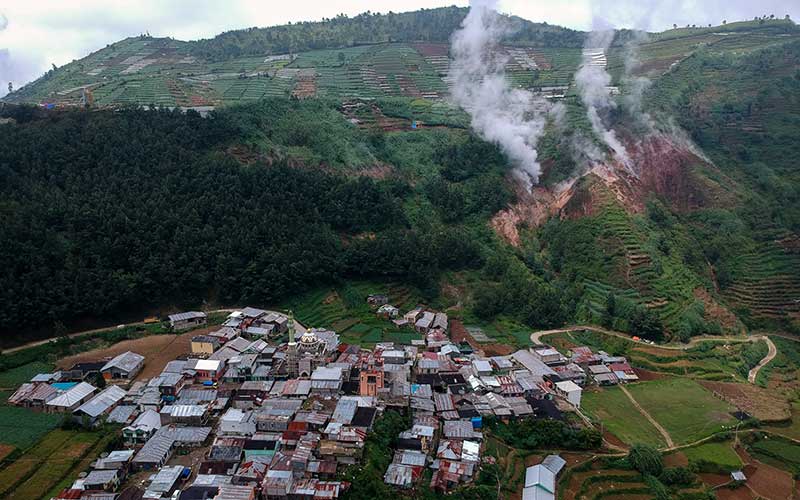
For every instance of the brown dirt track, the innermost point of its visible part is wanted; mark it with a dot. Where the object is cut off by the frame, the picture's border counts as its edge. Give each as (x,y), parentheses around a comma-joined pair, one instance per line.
(158,350)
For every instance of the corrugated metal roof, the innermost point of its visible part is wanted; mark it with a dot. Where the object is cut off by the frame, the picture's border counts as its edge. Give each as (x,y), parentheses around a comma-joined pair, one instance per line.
(72,396)
(127,361)
(186,315)
(104,400)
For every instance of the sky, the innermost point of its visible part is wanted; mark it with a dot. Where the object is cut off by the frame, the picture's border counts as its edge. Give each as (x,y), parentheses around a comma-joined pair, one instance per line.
(35,34)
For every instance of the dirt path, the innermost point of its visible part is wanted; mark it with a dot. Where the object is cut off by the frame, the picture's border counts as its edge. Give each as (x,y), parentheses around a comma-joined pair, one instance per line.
(663,431)
(86,332)
(751,377)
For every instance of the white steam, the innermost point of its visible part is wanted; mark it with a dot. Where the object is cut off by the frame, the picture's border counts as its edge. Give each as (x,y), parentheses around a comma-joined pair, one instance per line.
(593,83)
(511,118)
(634,85)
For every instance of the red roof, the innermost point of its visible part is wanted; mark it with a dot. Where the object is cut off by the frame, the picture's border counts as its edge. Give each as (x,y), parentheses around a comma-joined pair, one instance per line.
(620,367)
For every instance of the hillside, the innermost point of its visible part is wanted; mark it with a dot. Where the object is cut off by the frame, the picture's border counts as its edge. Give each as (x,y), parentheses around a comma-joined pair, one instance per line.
(310,173)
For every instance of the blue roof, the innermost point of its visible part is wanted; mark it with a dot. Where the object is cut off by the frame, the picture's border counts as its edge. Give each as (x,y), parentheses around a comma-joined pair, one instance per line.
(64,386)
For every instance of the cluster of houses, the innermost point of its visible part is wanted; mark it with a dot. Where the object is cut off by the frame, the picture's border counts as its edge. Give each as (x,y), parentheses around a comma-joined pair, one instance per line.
(271,420)
(568,374)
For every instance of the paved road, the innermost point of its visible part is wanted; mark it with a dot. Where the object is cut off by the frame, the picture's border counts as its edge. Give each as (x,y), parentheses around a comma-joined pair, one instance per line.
(663,431)
(536,338)
(86,332)
(773,351)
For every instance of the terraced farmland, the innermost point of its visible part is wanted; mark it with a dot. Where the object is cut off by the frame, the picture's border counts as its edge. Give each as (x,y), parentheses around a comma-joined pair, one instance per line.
(767,281)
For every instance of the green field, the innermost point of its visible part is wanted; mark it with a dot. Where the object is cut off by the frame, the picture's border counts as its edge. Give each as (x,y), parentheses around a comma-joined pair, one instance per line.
(21,427)
(620,417)
(685,409)
(12,378)
(38,470)
(720,454)
(776,451)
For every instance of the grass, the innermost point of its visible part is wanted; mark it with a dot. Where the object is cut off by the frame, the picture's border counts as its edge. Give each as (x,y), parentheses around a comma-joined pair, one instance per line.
(777,451)
(683,407)
(21,374)
(721,454)
(21,427)
(620,417)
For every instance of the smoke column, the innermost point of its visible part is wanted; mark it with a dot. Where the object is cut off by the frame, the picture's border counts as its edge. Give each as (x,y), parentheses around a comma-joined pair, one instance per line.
(511,118)
(592,81)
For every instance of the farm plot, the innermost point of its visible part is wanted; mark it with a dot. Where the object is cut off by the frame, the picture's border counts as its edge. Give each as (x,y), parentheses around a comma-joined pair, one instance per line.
(611,407)
(720,455)
(683,407)
(21,427)
(49,471)
(22,467)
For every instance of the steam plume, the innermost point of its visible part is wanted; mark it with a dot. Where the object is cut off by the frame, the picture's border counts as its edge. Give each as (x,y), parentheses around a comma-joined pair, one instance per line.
(511,118)
(636,85)
(593,81)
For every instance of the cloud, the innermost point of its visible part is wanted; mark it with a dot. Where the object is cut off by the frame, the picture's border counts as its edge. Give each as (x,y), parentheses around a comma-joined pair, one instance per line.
(3,21)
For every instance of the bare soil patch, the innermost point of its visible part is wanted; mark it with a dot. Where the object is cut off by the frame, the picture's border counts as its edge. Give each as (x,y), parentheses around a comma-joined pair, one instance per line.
(741,493)
(5,450)
(677,459)
(714,480)
(761,403)
(769,482)
(647,375)
(158,350)
(497,349)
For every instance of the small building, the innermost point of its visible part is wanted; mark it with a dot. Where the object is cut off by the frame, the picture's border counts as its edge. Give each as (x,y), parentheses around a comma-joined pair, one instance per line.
(425,323)
(624,372)
(549,356)
(71,399)
(540,480)
(101,404)
(570,391)
(738,476)
(370,382)
(187,320)
(388,311)
(204,345)
(106,480)
(481,367)
(143,428)
(124,366)
(377,299)
(325,380)
(602,375)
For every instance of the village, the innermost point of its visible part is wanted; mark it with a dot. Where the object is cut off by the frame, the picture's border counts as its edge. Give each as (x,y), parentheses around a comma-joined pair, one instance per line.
(265,408)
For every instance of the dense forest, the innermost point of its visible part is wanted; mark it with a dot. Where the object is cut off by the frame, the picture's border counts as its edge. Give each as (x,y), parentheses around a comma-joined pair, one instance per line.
(428,25)
(104,212)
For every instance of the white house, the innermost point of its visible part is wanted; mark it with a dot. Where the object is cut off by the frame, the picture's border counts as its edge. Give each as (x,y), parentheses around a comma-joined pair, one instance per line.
(570,391)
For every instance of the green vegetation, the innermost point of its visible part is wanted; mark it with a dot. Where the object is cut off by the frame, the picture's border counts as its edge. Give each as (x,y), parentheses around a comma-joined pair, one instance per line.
(713,457)
(534,434)
(617,414)
(646,459)
(777,451)
(686,410)
(22,427)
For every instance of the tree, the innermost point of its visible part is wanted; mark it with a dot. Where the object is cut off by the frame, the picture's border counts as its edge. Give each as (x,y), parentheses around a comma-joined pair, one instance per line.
(646,459)
(611,310)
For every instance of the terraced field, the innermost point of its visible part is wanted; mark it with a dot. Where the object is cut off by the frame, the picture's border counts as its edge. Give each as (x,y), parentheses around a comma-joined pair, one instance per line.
(767,281)
(344,309)
(162,71)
